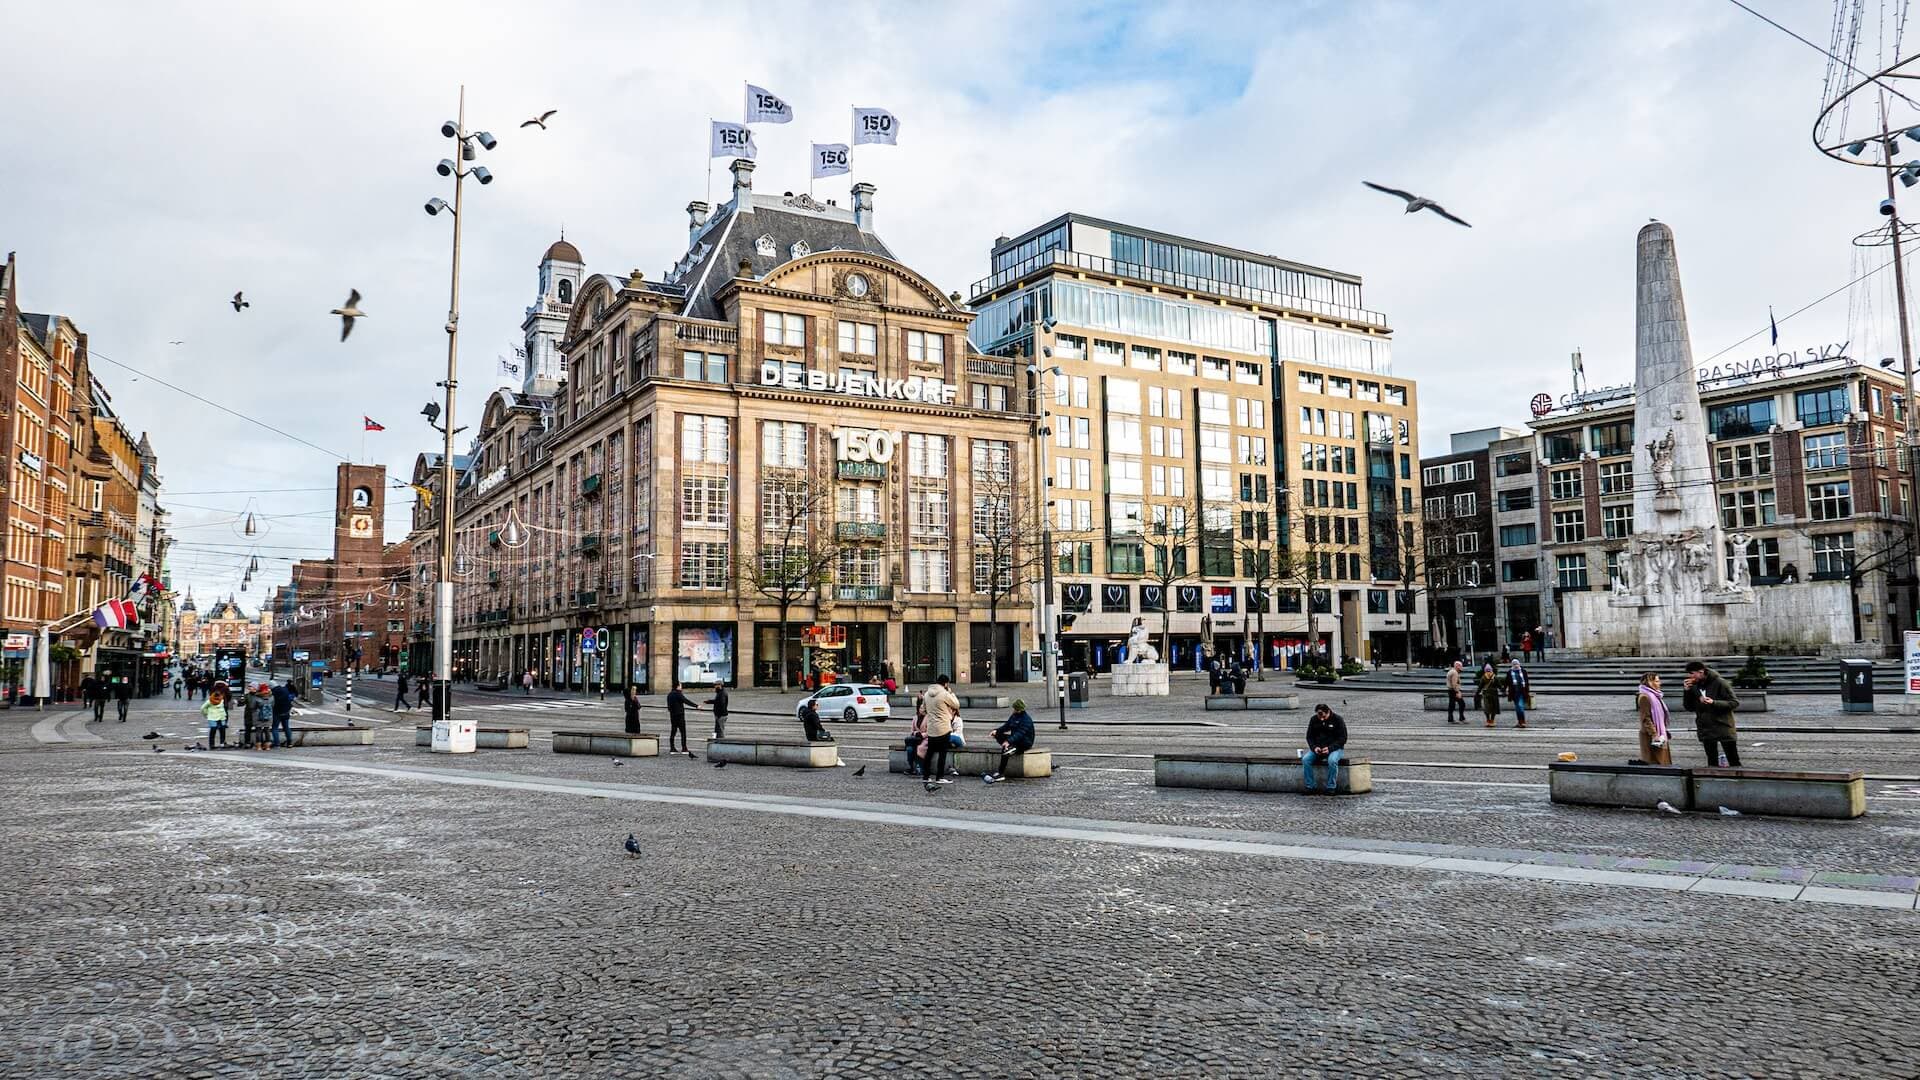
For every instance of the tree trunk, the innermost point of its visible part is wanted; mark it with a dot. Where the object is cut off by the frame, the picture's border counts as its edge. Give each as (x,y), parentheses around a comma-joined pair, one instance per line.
(1166,631)
(780,648)
(1260,645)
(993,640)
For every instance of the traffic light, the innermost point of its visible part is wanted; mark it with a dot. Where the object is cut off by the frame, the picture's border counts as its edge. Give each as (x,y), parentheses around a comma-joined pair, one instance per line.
(1066,622)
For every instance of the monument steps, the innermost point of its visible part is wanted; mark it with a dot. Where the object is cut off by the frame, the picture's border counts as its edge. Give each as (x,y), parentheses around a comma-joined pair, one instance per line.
(1605,675)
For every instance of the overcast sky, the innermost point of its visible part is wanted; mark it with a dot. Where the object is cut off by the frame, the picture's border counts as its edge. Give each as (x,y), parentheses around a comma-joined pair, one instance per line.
(161,156)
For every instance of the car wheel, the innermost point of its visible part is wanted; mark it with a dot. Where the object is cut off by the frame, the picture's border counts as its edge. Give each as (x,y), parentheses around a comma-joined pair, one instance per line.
(851,716)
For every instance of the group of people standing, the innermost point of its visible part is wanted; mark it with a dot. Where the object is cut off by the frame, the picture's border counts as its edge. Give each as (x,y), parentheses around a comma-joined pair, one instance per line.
(938,730)
(266,715)
(1490,686)
(1711,701)
(96,689)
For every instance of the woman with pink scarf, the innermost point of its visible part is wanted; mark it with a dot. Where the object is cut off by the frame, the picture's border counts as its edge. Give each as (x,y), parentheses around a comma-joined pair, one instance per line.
(1655,747)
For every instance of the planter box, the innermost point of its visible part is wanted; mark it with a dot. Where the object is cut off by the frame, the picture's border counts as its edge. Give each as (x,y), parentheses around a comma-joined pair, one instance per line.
(331,736)
(1267,774)
(1751,701)
(1641,786)
(1032,764)
(606,743)
(486,738)
(788,753)
(1781,794)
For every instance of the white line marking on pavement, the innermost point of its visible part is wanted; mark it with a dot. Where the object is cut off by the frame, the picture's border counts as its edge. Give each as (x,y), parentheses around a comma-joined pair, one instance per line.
(47,729)
(1118,833)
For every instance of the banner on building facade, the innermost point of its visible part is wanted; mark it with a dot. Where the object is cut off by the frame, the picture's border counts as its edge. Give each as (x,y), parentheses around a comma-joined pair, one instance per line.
(875,126)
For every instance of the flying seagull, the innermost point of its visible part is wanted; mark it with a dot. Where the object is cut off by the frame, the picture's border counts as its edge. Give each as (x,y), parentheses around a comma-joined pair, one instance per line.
(176,343)
(1417,202)
(541,120)
(348,312)
(239,301)
(632,845)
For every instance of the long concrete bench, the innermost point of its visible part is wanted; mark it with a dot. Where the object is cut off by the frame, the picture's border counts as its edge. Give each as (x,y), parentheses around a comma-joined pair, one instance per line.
(1033,763)
(1252,702)
(1781,793)
(791,753)
(331,736)
(606,743)
(485,738)
(1254,772)
(1645,786)
(984,701)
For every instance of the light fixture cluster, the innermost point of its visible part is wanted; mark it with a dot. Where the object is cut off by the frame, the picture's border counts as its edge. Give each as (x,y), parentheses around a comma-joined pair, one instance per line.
(1909,173)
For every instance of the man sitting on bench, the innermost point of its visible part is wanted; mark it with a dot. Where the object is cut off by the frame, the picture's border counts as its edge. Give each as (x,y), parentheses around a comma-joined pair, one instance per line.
(1015,736)
(1326,743)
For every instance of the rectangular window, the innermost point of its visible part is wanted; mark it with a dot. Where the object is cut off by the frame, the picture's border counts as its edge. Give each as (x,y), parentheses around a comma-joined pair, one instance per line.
(1513,465)
(1070,347)
(1616,522)
(1833,554)
(1741,418)
(1312,383)
(1825,451)
(780,329)
(1561,447)
(1616,477)
(927,512)
(1517,535)
(1146,359)
(1179,363)
(1830,501)
(1519,499)
(927,456)
(703,439)
(1157,441)
(1176,443)
(703,367)
(1466,504)
(1080,391)
(1466,542)
(1612,440)
(1109,352)
(1460,472)
(783,444)
(1746,509)
(703,565)
(1247,371)
(1213,367)
(1763,559)
(857,503)
(1570,572)
(860,339)
(1569,526)
(1816,407)
(1436,508)
(929,570)
(926,348)
(1156,401)
(1565,484)
(1433,474)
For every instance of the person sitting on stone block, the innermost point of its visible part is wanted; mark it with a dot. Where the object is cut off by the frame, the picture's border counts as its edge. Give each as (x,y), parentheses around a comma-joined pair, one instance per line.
(1326,744)
(1015,736)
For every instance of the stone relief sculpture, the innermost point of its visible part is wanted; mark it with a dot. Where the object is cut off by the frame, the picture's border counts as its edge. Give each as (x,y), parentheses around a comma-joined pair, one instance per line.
(1742,574)
(1139,649)
(1660,452)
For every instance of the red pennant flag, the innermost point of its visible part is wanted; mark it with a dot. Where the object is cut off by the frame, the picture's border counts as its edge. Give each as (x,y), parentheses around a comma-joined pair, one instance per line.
(372,426)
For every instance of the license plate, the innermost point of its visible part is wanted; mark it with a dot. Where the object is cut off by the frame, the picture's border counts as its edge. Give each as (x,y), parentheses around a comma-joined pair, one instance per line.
(880,710)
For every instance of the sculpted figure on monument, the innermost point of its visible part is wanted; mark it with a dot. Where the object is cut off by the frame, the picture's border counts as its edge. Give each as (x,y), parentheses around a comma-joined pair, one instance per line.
(1742,574)
(1139,649)
(1660,453)
(1656,555)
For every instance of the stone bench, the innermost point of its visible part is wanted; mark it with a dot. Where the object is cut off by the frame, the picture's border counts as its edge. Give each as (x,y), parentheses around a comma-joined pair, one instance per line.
(1644,786)
(791,753)
(1033,763)
(484,738)
(984,701)
(1252,702)
(331,736)
(606,743)
(1253,772)
(1781,793)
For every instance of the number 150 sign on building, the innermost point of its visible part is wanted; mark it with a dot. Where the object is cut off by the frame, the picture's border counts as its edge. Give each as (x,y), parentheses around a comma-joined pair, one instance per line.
(863,453)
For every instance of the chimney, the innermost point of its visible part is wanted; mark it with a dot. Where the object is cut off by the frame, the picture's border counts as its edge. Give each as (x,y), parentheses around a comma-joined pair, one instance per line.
(742,184)
(863,206)
(696,219)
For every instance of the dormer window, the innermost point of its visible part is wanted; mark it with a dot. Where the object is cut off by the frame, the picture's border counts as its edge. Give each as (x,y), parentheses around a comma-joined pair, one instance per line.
(764,246)
(801,249)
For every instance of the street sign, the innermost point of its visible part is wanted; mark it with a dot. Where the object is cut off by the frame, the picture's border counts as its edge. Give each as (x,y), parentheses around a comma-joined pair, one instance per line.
(299,656)
(17,641)
(1912,657)
(587,643)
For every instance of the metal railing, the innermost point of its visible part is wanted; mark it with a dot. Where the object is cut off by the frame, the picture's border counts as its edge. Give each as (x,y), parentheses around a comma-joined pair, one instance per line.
(1175,279)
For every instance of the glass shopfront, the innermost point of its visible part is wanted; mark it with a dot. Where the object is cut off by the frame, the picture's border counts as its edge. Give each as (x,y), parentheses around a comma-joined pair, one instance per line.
(703,653)
(929,652)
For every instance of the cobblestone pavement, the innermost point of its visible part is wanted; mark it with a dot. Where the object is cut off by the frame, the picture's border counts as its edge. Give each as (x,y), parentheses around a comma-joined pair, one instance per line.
(194,915)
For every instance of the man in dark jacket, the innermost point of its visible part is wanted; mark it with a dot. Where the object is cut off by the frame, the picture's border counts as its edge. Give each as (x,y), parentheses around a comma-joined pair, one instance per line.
(677,705)
(122,694)
(1015,736)
(719,703)
(1712,703)
(282,730)
(810,721)
(400,689)
(1326,743)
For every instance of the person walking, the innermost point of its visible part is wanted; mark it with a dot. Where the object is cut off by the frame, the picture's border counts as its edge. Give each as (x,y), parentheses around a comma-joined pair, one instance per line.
(215,711)
(719,703)
(1456,698)
(283,714)
(1652,707)
(943,708)
(1213,676)
(87,686)
(1520,689)
(1712,703)
(400,689)
(122,695)
(176,687)
(424,699)
(1487,689)
(1015,736)
(526,683)
(1326,745)
(630,701)
(100,691)
(677,705)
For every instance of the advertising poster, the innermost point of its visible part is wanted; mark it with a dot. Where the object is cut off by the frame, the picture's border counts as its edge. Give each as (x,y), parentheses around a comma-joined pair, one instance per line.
(705,655)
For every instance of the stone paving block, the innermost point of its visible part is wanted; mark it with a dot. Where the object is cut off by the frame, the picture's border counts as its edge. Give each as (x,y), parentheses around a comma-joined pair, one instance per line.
(1764,890)
(1763,873)
(1858,897)
(1893,882)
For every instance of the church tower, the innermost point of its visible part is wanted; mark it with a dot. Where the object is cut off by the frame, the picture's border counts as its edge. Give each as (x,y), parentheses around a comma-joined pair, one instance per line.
(561,270)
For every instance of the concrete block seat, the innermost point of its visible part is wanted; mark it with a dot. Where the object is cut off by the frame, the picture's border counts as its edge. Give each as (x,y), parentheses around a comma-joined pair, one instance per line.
(790,753)
(975,762)
(331,736)
(984,701)
(1578,783)
(1254,702)
(1841,795)
(606,743)
(1254,772)
(484,738)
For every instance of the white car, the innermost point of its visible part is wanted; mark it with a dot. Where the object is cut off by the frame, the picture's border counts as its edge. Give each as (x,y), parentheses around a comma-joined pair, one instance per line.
(852,702)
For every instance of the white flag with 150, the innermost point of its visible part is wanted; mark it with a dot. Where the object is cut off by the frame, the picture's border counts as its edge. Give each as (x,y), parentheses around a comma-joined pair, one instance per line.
(766,108)
(875,126)
(732,140)
(831,159)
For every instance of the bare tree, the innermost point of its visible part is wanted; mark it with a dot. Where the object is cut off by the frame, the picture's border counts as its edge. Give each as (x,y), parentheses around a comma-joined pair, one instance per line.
(1009,549)
(1170,558)
(1261,553)
(794,551)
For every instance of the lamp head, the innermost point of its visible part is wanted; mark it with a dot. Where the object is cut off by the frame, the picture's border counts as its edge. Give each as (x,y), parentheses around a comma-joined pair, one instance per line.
(431,412)
(486,139)
(481,174)
(449,129)
(435,205)
(445,168)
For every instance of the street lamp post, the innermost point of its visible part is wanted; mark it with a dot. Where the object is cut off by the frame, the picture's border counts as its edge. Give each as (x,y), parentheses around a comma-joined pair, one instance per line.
(1049,628)
(465,143)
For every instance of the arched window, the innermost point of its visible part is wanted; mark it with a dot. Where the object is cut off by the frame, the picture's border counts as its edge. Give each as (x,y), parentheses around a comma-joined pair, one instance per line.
(362,497)
(566,291)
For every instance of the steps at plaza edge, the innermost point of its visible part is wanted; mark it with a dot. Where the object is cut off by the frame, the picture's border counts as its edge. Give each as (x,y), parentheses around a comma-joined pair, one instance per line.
(1608,675)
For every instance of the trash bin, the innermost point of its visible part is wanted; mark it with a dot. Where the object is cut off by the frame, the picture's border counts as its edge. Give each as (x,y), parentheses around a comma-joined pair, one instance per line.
(1856,686)
(1078,689)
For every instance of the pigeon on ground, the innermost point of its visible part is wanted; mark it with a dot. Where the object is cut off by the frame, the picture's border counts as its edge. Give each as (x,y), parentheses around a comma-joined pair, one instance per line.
(348,312)
(691,756)
(239,301)
(1665,807)
(162,750)
(1728,811)
(540,121)
(616,762)
(861,771)
(1417,202)
(719,764)
(632,845)
(151,735)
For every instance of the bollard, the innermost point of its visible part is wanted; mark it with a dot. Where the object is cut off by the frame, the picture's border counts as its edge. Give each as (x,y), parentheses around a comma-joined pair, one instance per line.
(349,689)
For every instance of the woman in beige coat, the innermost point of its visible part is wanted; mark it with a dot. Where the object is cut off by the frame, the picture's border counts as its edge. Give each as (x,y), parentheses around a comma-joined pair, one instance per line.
(1655,745)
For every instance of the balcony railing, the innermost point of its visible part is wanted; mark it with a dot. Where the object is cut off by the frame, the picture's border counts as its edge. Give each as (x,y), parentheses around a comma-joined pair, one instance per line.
(993,369)
(711,335)
(588,598)
(863,593)
(860,530)
(590,545)
(1157,276)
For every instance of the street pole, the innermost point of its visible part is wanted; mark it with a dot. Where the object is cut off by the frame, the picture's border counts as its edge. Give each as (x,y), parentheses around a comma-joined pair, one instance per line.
(1906,366)
(443,589)
(1049,629)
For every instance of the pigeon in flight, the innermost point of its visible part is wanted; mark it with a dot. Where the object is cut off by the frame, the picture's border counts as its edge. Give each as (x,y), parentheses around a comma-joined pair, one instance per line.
(239,301)
(348,312)
(859,772)
(632,845)
(1417,202)
(176,343)
(541,120)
